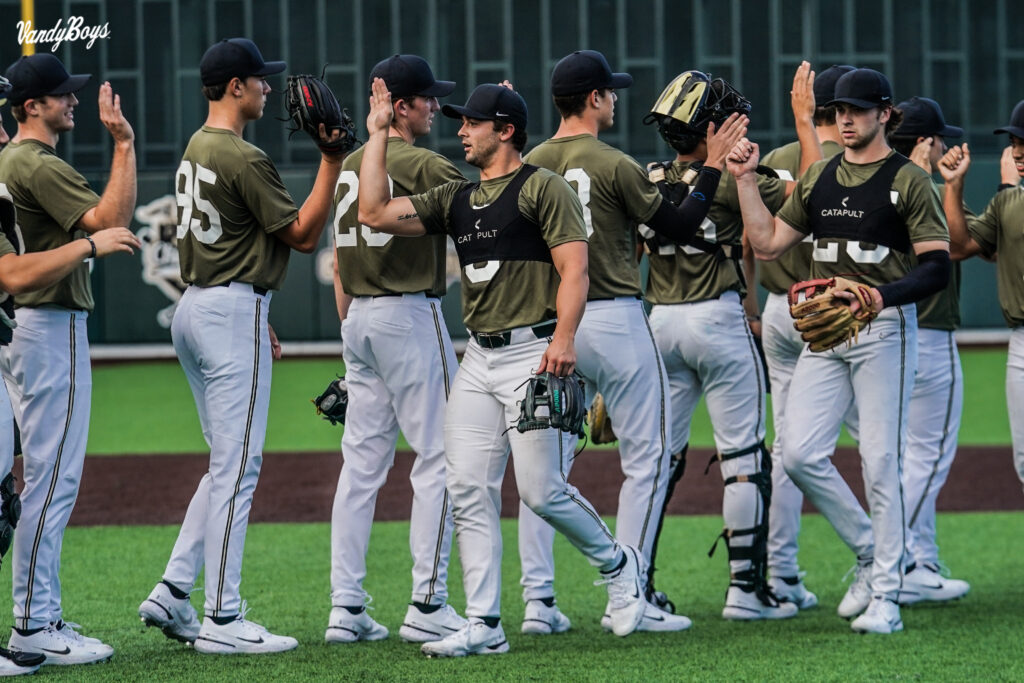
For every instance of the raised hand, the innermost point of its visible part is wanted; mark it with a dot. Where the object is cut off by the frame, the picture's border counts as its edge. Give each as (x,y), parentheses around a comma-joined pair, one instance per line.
(720,142)
(743,158)
(921,154)
(111,116)
(954,163)
(1008,168)
(801,97)
(381,112)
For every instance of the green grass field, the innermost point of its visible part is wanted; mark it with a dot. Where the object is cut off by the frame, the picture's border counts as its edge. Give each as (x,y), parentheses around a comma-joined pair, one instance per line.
(108,571)
(148,408)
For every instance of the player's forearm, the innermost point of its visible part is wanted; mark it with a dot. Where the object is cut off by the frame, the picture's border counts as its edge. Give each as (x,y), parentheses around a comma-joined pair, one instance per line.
(117,203)
(960,241)
(571,300)
(316,209)
(36,270)
(810,144)
(341,299)
(680,223)
(929,276)
(374,193)
(758,222)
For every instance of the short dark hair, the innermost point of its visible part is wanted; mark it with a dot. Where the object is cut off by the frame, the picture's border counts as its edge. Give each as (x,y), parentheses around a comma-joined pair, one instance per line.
(904,144)
(895,119)
(824,116)
(519,137)
(215,93)
(571,105)
(18,110)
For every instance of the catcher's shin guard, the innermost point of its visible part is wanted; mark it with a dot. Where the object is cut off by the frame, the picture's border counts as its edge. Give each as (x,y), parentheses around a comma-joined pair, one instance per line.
(10,513)
(674,475)
(751,465)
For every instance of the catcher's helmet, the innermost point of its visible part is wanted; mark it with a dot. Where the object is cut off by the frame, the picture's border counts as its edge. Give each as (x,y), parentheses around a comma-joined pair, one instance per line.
(689,103)
(5,90)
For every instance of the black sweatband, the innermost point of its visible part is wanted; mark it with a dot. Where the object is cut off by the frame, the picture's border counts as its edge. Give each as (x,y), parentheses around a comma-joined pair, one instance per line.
(1005,186)
(929,276)
(680,223)
(92,245)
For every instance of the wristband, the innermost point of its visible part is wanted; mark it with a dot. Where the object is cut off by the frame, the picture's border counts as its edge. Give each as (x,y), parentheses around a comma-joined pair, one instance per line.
(92,245)
(753,318)
(1005,186)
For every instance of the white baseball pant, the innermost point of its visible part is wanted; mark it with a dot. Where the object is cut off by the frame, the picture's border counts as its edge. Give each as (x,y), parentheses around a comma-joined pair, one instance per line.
(617,356)
(399,366)
(480,429)
(49,378)
(221,338)
(1015,396)
(877,373)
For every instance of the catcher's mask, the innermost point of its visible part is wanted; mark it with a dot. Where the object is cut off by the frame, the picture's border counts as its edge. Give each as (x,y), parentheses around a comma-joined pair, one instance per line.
(689,103)
(5,90)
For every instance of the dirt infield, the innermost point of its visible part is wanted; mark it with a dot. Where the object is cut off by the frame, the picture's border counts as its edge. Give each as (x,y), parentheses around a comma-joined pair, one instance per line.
(299,487)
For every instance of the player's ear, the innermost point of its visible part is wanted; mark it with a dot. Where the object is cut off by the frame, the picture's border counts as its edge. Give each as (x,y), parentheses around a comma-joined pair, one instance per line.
(236,86)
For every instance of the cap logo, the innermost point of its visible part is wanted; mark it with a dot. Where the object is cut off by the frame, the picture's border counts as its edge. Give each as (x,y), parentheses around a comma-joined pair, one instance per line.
(75,30)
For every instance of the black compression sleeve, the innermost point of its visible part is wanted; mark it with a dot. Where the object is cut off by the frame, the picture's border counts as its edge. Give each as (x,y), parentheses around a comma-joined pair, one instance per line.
(680,223)
(929,276)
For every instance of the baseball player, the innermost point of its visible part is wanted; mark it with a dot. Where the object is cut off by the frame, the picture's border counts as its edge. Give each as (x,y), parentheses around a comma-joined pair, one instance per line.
(698,291)
(238,225)
(782,343)
(521,240)
(399,364)
(617,355)
(867,210)
(46,365)
(997,231)
(937,399)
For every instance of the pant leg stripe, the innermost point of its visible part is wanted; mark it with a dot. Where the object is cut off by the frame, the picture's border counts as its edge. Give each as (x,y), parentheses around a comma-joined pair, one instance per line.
(438,548)
(946,436)
(899,445)
(245,458)
(662,377)
(53,483)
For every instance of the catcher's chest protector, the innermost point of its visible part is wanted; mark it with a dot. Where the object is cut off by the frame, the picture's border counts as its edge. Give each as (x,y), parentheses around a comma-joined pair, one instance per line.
(497,231)
(864,213)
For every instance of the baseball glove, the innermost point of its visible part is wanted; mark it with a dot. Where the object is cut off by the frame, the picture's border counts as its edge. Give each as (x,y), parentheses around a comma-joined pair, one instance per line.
(553,402)
(600,423)
(310,102)
(333,402)
(825,320)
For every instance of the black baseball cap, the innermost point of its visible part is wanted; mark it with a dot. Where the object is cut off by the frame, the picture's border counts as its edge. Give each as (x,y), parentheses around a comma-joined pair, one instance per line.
(235,57)
(1016,127)
(407,75)
(583,71)
(922,117)
(41,74)
(825,83)
(863,88)
(491,102)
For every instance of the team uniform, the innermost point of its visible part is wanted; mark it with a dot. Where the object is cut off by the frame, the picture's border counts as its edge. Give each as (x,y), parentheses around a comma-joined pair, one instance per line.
(997,231)
(782,346)
(400,364)
(47,371)
(504,229)
(232,201)
(865,219)
(696,298)
(616,352)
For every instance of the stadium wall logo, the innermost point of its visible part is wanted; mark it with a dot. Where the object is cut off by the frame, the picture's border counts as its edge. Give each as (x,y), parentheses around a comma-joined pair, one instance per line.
(75,30)
(160,266)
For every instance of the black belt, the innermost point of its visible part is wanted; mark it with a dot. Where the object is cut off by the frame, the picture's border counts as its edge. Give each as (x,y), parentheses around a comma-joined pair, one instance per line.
(381,296)
(613,298)
(496,340)
(256,290)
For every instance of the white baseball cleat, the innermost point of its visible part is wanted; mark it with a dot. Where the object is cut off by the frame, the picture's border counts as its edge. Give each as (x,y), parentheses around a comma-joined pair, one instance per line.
(240,637)
(858,595)
(19,663)
(655,619)
(176,617)
(475,638)
(70,630)
(345,627)
(422,627)
(924,583)
(881,616)
(625,594)
(792,589)
(540,619)
(742,604)
(60,648)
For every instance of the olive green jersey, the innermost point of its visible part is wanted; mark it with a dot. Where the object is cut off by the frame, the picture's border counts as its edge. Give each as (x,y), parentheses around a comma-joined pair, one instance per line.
(999,230)
(372,263)
(616,195)
(5,246)
(914,197)
(50,198)
(795,264)
(231,200)
(502,295)
(685,274)
(941,311)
